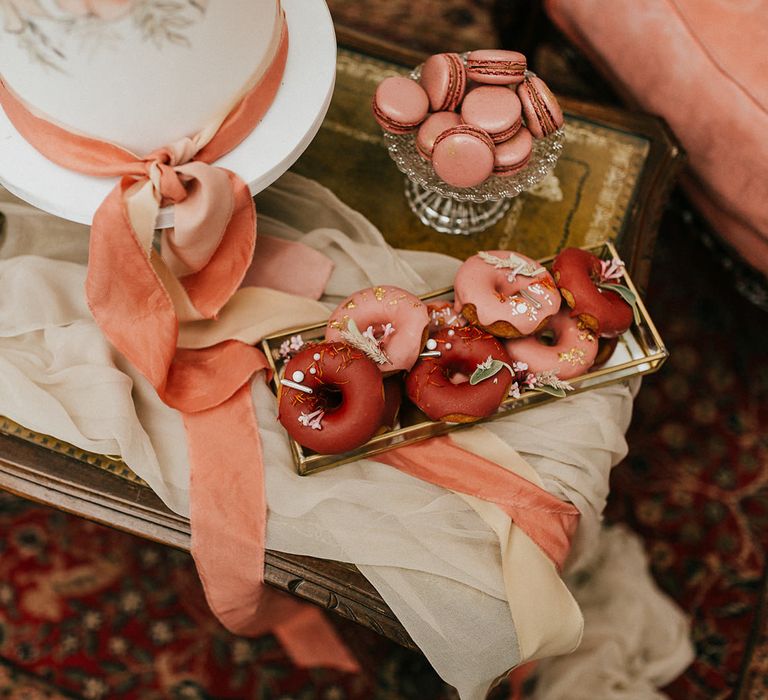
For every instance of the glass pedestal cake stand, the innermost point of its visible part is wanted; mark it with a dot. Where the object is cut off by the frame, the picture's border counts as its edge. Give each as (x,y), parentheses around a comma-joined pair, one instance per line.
(466,210)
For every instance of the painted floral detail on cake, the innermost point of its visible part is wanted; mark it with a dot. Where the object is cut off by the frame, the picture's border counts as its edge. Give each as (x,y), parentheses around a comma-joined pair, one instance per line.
(49,30)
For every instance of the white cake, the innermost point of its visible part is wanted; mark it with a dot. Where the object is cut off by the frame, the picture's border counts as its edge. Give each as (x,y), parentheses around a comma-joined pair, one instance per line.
(139,73)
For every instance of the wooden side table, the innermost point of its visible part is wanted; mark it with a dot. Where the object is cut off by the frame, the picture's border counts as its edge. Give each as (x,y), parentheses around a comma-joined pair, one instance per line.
(612,181)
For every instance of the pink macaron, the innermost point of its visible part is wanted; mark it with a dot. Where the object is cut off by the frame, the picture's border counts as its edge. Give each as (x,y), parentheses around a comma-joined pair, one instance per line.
(434,125)
(463,156)
(543,115)
(444,79)
(400,105)
(494,109)
(513,155)
(496,66)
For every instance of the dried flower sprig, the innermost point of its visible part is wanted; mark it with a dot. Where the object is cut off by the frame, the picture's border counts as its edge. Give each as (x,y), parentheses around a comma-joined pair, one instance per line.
(550,383)
(516,265)
(362,341)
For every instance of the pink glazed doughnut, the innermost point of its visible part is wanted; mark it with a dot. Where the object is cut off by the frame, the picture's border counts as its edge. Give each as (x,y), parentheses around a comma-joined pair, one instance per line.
(507,294)
(494,109)
(397,320)
(565,346)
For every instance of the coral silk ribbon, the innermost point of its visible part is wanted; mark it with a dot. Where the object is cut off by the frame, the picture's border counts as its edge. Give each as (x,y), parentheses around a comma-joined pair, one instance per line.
(137,301)
(547,520)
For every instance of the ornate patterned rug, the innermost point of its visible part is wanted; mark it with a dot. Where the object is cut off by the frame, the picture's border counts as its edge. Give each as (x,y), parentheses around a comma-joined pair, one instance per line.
(695,484)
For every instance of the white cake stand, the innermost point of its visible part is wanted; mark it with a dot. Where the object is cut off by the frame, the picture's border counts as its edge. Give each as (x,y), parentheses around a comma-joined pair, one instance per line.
(282,136)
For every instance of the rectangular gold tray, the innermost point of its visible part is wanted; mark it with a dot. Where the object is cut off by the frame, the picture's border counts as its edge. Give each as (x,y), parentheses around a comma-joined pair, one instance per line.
(640,350)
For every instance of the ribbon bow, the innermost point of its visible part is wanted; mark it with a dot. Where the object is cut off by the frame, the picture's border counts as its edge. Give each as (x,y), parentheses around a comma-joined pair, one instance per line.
(139,296)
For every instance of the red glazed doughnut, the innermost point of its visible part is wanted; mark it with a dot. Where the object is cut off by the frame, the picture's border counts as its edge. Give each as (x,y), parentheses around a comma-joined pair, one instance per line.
(429,384)
(394,319)
(393,399)
(506,293)
(577,273)
(331,398)
(571,352)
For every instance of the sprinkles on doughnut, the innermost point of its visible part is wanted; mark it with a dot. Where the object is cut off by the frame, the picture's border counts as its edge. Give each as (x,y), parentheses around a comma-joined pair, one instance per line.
(590,287)
(506,293)
(565,346)
(331,398)
(388,323)
(443,315)
(439,383)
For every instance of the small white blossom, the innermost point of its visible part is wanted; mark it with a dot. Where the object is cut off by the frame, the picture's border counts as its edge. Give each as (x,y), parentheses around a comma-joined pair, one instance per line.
(312,420)
(291,346)
(611,270)
(485,364)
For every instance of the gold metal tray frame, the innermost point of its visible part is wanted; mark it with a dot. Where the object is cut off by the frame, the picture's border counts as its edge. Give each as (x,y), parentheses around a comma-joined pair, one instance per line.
(640,350)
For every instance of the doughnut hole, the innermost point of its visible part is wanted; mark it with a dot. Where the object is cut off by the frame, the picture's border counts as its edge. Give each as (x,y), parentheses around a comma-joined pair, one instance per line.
(458,372)
(329,397)
(547,337)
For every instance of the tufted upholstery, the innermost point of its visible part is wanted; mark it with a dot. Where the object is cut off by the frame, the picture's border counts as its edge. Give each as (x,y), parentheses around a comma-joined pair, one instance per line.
(702,65)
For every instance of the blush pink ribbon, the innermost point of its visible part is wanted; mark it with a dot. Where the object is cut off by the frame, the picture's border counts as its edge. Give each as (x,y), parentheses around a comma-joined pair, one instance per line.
(137,297)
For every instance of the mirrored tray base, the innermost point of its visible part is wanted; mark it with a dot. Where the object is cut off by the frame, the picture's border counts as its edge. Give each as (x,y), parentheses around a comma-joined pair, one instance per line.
(640,350)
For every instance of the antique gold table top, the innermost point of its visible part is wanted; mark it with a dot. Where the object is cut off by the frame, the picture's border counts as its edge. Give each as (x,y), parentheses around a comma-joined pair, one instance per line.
(611,182)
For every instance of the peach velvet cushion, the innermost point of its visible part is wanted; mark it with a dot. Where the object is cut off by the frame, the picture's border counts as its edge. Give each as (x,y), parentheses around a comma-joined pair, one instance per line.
(703,66)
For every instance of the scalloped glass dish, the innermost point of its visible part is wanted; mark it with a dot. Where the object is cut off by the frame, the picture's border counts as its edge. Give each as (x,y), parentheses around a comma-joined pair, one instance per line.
(640,350)
(466,210)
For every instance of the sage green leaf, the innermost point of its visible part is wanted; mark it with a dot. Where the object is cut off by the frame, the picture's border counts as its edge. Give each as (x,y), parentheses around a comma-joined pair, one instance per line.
(627,295)
(551,390)
(486,371)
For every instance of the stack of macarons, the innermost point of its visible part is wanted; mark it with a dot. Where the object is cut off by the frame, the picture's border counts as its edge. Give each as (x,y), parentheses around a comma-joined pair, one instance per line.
(472,119)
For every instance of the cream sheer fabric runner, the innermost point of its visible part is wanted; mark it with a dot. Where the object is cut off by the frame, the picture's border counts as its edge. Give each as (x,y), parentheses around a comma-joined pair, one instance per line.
(433,559)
